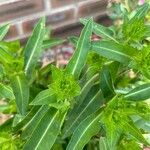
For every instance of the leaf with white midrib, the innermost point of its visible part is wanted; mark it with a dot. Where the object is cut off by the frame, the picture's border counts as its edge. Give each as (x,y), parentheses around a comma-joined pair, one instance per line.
(44,97)
(75,122)
(26,119)
(6,92)
(100,30)
(48,128)
(21,91)
(87,128)
(31,125)
(130,128)
(33,48)
(142,11)
(3,30)
(77,61)
(113,51)
(51,42)
(141,92)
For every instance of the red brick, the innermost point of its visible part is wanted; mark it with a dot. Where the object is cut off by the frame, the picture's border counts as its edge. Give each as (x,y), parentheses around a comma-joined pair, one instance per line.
(60,3)
(90,8)
(12,33)
(19,9)
(72,29)
(61,17)
(52,20)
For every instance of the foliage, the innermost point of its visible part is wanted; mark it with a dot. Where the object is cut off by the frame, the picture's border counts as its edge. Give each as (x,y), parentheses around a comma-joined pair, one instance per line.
(100,100)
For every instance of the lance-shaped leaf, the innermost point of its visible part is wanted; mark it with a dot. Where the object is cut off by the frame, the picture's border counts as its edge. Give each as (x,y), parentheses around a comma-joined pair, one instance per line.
(3,31)
(142,11)
(78,59)
(106,83)
(100,30)
(33,49)
(87,86)
(114,51)
(130,128)
(139,93)
(45,97)
(91,103)
(87,128)
(46,131)
(6,92)
(31,125)
(51,42)
(20,89)
(26,119)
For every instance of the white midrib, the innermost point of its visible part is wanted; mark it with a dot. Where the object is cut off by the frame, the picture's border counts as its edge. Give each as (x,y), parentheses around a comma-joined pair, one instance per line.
(79,139)
(91,80)
(137,92)
(4,32)
(112,51)
(8,89)
(107,35)
(142,11)
(83,110)
(19,84)
(33,51)
(34,117)
(82,43)
(46,131)
(42,98)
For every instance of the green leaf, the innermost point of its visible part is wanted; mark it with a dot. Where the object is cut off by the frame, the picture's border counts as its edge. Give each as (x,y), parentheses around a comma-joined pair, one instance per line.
(20,89)
(48,128)
(26,119)
(112,134)
(130,128)
(134,30)
(78,60)
(3,31)
(6,92)
(83,133)
(106,83)
(91,75)
(33,48)
(45,97)
(142,11)
(51,43)
(114,51)
(100,30)
(139,93)
(33,122)
(87,86)
(12,46)
(91,103)
(5,55)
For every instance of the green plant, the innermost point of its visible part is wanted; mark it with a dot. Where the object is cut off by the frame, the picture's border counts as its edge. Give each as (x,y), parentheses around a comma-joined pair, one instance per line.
(98,101)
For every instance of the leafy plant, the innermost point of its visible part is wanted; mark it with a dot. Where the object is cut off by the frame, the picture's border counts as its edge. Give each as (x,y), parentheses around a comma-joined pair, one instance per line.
(100,100)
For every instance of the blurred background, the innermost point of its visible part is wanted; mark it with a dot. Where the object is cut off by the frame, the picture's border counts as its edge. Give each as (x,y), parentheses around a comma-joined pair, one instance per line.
(61,15)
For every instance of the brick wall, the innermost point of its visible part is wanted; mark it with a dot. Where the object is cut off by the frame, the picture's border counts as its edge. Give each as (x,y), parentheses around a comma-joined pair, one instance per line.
(61,15)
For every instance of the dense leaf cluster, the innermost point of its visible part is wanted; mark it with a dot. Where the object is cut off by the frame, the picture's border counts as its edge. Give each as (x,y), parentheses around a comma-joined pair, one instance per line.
(99,100)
